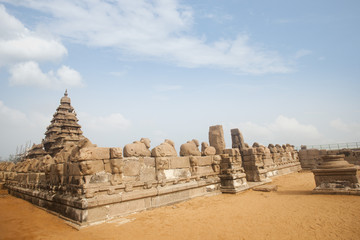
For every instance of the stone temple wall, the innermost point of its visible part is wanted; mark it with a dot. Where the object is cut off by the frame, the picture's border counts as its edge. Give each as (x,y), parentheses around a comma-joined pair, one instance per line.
(89,183)
(311,158)
(69,175)
(86,184)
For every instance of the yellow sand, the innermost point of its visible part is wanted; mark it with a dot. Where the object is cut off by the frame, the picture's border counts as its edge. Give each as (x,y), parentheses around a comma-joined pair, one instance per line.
(290,213)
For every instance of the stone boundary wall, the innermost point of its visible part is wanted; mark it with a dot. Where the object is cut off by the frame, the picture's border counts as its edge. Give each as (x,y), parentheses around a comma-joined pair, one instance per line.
(311,158)
(88,184)
(262,163)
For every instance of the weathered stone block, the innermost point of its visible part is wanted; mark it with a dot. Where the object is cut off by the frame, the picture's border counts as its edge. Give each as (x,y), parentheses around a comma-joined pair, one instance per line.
(177,173)
(91,167)
(94,153)
(116,152)
(74,169)
(205,160)
(179,162)
(149,161)
(204,170)
(216,138)
(131,167)
(107,166)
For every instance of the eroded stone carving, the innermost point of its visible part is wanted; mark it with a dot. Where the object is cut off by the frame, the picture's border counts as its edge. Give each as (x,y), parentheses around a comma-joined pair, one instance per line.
(138,148)
(207,150)
(194,163)
(165,149)
(191,148)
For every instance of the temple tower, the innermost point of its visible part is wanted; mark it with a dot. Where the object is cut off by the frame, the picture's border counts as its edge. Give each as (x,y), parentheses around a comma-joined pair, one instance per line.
(64,127)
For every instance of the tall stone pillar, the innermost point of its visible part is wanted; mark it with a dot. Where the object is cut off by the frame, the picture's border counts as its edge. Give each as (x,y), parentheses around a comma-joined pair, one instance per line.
(216,138)
(237,139)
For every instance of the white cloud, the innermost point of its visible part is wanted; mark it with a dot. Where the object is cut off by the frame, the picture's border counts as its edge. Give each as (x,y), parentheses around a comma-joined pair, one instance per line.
(160,29)
(18,43)
(30,74)
(282,130)
(110,123)
(21,50)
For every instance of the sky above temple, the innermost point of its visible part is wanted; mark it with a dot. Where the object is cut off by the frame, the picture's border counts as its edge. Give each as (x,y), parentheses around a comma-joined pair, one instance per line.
(280,71)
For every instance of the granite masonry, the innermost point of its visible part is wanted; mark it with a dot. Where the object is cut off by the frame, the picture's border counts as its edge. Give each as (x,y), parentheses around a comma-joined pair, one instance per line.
(70,175)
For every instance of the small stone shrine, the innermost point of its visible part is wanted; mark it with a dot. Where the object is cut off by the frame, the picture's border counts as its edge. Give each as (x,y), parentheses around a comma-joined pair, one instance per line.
(336,176)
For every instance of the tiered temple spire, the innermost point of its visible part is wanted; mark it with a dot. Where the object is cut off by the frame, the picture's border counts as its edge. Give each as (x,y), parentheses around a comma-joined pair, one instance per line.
(64,127)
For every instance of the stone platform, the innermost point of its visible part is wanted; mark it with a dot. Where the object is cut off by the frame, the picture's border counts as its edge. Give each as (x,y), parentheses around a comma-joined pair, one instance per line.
(82,211)
(336,176)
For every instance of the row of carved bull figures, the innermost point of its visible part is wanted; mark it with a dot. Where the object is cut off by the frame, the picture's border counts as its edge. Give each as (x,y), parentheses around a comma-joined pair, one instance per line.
(167,149)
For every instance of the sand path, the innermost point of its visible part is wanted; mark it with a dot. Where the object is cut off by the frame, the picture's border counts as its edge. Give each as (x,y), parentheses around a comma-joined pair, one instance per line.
(290,213)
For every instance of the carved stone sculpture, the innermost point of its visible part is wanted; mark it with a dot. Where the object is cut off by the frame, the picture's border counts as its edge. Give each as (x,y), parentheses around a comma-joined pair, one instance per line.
(207,150)
(191,148)
(194,163)
(165,149)
(138,148)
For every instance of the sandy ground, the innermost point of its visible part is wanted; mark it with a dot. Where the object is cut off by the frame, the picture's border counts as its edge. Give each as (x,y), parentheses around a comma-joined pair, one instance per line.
(290,213)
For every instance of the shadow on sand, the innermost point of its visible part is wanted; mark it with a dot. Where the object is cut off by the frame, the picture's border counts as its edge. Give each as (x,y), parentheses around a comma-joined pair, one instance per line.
(294,192)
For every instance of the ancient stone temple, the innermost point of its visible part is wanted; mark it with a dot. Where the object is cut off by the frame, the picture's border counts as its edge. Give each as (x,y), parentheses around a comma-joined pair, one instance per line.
(69,175)
(64,127)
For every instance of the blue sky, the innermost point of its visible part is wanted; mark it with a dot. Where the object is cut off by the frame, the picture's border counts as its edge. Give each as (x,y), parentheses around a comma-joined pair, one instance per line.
(280,71)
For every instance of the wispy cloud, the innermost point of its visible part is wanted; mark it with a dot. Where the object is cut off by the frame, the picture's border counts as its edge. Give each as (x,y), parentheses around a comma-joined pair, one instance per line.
(160,29)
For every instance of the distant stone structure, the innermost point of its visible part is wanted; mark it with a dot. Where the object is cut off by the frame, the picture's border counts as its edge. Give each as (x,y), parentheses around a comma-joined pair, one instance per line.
(311,158)
(334,175)
(70,175)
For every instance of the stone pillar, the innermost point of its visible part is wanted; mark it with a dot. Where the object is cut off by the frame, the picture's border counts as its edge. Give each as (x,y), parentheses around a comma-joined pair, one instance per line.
(216,138)
(237,139)
(232,174)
